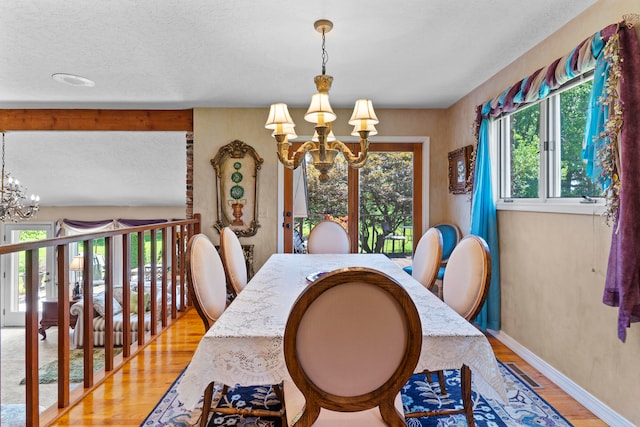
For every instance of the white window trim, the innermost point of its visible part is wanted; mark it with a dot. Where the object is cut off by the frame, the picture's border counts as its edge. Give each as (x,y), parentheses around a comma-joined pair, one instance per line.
(559,205)
(564,205)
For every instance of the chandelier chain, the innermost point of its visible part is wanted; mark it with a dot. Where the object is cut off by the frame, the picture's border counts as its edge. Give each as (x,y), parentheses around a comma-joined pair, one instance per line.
(325,56)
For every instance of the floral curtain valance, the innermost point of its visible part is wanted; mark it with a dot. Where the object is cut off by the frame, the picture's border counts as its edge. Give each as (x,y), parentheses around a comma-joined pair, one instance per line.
(545,80)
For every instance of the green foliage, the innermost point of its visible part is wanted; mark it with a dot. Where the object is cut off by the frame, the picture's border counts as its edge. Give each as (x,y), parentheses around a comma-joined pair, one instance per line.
(30,236)
(98,248)
(525,152)
(386,199)
(330,197)
(525,147)
(573,105)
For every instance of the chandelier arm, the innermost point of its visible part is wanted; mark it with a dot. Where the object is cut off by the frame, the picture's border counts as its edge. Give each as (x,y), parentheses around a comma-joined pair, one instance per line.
(296,158)
(353,160)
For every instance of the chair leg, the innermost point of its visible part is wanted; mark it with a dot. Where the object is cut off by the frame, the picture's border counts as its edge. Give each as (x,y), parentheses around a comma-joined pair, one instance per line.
(441,383)
(390,415)
(443,387)
(280,394)
(206,406)
(467,403)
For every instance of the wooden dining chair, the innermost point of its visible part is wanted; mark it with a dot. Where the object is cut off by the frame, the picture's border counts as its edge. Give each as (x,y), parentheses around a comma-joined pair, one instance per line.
(465,287)
(328,237)
(424,268)
(451,235)
(427,258)
(351,342)
(207,288)
(235,265)
(205,279)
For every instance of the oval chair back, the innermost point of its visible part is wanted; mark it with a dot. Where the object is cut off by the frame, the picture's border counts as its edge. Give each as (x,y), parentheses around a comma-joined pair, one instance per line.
(466,281)
(233,260)
(351,342)
(427,258)
(328,237)
(205,279)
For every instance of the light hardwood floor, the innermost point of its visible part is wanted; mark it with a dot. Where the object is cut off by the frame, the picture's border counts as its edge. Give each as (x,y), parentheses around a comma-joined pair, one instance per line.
(130,394)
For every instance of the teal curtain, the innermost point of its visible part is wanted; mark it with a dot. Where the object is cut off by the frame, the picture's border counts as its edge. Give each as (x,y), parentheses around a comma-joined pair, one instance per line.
(597,117)
(484,224)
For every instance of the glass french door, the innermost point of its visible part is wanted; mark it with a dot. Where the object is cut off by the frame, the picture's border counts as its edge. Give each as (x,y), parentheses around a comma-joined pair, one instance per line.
(13,271)
(379,205)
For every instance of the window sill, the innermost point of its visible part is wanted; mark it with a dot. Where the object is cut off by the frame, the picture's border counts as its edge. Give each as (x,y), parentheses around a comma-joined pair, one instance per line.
(565,206)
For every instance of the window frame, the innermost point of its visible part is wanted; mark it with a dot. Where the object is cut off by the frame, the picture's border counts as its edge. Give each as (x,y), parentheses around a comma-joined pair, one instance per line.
(417,148)
(549,173)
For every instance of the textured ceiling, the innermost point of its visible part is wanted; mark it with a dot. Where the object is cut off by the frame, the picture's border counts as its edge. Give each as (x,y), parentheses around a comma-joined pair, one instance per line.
(250,53)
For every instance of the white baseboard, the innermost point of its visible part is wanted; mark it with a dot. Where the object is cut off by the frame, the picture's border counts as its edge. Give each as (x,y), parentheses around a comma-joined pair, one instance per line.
(585,398)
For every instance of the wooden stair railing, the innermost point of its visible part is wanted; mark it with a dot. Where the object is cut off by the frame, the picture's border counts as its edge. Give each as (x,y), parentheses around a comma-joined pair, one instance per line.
(175,232)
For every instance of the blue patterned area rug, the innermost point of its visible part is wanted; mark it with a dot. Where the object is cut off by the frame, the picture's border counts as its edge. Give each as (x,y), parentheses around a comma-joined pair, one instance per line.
(525,407)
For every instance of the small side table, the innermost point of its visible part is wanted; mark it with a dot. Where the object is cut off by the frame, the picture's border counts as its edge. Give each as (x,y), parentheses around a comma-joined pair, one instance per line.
(50,316)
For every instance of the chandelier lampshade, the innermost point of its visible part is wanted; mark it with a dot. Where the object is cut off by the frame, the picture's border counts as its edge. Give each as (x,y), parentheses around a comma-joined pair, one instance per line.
(278,115)
(363,111)
(320,111)
(324,146)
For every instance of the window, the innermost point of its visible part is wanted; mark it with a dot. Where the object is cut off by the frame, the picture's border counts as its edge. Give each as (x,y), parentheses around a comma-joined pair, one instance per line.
(379,204)
(540,149)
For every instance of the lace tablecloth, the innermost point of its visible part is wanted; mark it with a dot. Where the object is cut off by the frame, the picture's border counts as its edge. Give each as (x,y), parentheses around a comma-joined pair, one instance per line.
(245,345)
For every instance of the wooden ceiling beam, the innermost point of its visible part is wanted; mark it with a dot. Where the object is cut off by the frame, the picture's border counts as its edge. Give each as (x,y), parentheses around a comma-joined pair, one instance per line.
(100,120)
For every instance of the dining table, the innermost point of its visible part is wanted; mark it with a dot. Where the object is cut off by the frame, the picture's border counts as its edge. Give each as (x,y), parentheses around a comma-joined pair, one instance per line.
(245,345)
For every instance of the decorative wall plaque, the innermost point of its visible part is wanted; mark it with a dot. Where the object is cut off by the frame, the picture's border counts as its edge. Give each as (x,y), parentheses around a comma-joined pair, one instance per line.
(237,165)
(459,169)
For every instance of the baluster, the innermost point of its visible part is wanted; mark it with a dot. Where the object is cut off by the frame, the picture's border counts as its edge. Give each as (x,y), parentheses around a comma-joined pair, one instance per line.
(108,298)
(63,319)
(31,337)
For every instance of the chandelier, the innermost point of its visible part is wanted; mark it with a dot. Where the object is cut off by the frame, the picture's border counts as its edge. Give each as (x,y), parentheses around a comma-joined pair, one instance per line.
(323,146)
(12,207)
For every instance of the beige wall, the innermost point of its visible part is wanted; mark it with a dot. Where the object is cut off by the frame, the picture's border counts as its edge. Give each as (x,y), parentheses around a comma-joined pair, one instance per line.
(215,127)
(553,265)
